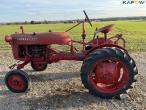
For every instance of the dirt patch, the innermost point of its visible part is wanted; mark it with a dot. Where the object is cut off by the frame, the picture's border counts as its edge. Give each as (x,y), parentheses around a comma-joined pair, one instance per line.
(60,87)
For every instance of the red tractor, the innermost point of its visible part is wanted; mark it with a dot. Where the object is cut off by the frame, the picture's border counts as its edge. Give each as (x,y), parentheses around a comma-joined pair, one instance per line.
(107,70)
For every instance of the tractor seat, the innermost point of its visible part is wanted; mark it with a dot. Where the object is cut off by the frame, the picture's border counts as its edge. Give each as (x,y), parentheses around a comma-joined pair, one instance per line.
(105,29)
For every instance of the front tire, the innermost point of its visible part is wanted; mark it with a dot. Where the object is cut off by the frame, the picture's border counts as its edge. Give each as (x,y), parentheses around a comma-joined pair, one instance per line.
(108,72)
(17,81)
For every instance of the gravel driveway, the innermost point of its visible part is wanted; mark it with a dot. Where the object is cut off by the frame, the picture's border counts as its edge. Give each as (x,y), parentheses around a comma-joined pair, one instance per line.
(60,87)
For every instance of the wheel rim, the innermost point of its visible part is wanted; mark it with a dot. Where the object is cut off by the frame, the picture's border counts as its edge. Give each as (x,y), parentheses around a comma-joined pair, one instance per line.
(109,75)
(16,82)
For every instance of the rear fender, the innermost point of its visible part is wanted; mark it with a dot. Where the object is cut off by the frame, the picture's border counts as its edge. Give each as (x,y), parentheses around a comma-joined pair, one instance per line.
(105,45)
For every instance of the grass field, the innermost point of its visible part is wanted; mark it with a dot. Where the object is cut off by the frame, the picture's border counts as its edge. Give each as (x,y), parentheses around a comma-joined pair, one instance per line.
(134,31)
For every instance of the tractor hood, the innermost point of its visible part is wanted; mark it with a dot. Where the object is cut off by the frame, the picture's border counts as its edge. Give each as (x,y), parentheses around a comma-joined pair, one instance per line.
(45,38)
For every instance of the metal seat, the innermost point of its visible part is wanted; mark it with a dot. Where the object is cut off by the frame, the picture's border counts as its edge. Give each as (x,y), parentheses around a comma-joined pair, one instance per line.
(105,29)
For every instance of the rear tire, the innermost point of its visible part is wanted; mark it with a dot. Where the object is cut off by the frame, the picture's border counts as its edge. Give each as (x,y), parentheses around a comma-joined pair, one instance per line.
(17,81)
(89,77)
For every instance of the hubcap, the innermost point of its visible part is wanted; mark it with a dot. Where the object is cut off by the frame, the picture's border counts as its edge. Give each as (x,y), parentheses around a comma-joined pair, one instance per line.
(16,82)
(109,75)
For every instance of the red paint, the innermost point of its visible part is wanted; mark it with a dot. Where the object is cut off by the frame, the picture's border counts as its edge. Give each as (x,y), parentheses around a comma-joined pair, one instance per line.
(101,41)
(8,39)
(105,74)
(16,82)
(20,43)
(110,75)
(45,38)
(66,56)
(102,46)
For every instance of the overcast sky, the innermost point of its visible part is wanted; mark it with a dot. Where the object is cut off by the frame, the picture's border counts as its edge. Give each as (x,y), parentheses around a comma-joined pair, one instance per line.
(26,10)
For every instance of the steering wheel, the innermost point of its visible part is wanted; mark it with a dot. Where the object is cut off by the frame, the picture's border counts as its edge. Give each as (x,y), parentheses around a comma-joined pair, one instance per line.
(87,18)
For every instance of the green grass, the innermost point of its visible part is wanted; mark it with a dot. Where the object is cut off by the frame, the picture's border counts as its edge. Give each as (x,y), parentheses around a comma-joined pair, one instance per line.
(133,30)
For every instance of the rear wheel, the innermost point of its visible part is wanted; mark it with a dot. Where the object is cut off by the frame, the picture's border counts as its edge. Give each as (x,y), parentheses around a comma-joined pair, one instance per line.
(108,72)
(17,81)
(38,67)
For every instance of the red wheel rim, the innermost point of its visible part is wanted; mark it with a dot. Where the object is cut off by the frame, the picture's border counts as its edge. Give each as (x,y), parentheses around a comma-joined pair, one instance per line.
(109,75)
(16,82)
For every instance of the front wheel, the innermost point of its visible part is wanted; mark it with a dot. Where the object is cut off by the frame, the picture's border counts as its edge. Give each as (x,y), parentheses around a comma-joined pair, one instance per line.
(108,72)
(17,81)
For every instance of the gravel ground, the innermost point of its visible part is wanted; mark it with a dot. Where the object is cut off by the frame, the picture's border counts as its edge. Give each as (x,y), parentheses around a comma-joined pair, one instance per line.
(60,87)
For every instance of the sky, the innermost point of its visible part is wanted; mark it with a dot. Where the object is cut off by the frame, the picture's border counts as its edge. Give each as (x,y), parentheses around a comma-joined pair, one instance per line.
(37,10)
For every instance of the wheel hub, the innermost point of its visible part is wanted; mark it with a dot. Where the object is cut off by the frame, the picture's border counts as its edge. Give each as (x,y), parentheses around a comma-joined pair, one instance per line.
(107,72)
(108,75)
(16,82)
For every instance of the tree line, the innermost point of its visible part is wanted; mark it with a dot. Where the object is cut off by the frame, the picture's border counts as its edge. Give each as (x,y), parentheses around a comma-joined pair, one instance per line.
(76,21)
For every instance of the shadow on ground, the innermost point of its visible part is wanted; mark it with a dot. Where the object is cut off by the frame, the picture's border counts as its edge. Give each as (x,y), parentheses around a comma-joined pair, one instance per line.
(53,76)
(44,76)
(62,101)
